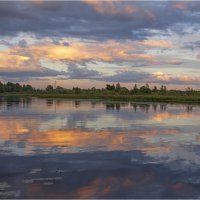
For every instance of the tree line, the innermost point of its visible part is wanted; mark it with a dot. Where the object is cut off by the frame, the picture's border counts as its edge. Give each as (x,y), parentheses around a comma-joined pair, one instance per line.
(15,87)
(109,89)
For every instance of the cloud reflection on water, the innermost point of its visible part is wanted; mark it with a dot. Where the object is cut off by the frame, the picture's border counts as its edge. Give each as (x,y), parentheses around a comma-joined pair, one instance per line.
(99,149)
(60,126)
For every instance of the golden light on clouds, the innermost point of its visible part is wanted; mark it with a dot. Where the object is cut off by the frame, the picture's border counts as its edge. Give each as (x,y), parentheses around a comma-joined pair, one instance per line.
(13,62)
(165,44)
(178,77)
(30,58)
(76,52)
(93,40)
(158,73)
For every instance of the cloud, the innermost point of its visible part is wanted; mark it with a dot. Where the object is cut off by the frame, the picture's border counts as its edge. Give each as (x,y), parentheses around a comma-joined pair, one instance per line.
(5,43)
(78,52)
(75,72)
(185,5)
(128,77)
(163,44)
(176,79)
(198,56)
(22,43)
(14,62)
(112,7)
(153,78)
(192,45)
(32,75)
(173,62)
(29,58)
(73,36)
(181,5)
(95,20)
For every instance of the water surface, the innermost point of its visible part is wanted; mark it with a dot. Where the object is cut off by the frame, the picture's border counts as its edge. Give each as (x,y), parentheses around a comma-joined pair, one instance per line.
(98,149)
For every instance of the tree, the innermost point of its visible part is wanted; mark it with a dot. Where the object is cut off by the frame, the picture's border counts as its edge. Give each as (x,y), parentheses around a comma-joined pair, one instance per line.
(1,87)
(27,88)
(110,87)
(118,87)
(76,90)
(124,90)
(135,89)
(59,89)
(49,88)
(147,85)
(17,87)
(163,89)
(145,89)
(189,91)
(155,89)
(10,87)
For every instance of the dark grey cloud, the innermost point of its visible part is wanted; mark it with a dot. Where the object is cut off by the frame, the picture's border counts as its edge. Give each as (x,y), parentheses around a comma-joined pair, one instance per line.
(78,19)
(192,45)
(6,43)
(30,75)
(74,72)
(22,43)
(66,44)
(143,77)
(57,42)
(128,77)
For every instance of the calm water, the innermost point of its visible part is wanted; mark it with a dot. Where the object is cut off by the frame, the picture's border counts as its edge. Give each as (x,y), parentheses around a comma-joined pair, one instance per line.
(98,149)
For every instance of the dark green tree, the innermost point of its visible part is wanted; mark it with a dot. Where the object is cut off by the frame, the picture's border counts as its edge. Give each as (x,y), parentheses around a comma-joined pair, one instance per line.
(110,87)
(118,87)
(155,89)
(135,89)
(1,87)
(17,87)
(49,88)
(76,90)
(27,88)
(145,89)
(163,89)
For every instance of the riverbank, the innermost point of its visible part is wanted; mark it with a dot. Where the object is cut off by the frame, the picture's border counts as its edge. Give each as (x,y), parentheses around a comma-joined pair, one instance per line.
(113,97)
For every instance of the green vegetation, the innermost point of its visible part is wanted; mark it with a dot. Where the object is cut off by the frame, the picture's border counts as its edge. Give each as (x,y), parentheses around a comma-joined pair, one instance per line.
(110,92)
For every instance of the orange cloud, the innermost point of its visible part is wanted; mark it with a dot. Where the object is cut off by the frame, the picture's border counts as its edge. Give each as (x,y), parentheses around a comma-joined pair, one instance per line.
(178,78)
(13,62)
(164,44)
(111,7)
(16,59)
(187,5)
(106,52)
(180,5)
(162,76)
(31,57)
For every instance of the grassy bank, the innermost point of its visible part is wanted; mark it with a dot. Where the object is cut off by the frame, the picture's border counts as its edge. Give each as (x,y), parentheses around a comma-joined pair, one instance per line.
(113,97)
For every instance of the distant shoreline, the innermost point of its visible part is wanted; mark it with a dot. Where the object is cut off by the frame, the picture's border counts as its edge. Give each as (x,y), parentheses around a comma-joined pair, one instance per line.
(131,98)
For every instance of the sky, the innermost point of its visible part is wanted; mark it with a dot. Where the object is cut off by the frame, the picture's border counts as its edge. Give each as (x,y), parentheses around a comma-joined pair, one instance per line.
(94,43)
